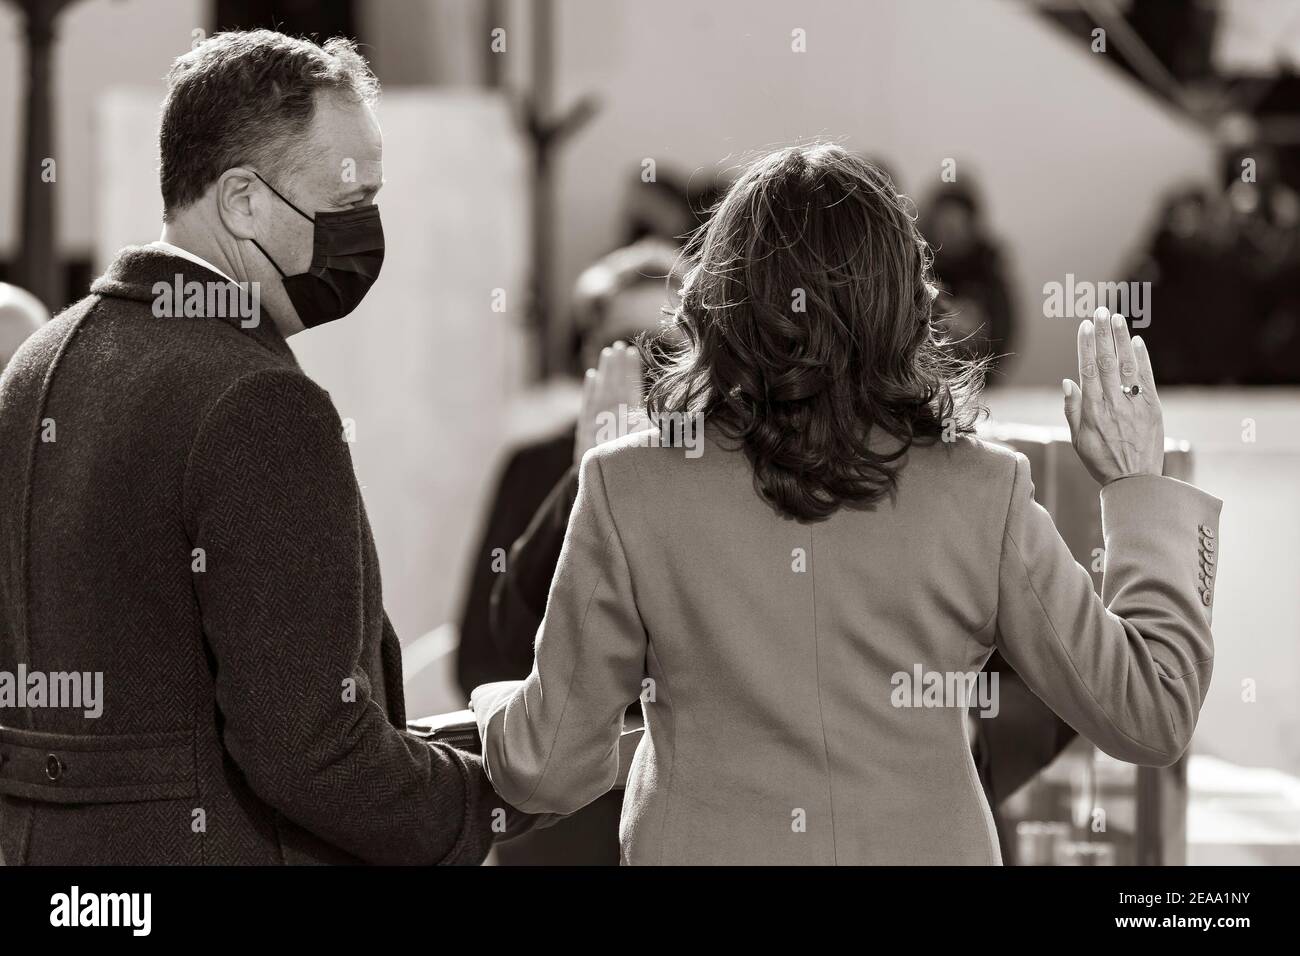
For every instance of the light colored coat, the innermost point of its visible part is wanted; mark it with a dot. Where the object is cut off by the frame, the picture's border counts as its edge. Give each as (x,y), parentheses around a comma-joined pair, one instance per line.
(769,654)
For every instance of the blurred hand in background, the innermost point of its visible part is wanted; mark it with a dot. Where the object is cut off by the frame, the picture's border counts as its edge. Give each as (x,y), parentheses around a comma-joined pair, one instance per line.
(611,392)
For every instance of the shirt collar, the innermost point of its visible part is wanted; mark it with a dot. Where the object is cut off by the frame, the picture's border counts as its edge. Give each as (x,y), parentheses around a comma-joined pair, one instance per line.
(186,254)
(136,271)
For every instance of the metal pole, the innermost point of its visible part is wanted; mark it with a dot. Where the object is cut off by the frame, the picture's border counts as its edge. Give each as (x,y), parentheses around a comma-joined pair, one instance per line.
(543,199)
(37,265)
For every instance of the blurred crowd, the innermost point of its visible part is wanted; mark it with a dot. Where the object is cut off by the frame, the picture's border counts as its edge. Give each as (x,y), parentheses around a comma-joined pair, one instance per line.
(1224,269)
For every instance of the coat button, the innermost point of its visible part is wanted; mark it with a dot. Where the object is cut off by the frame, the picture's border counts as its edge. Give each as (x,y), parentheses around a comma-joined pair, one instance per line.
(1207,557)
(53,767)
(1205,597)
(1207,545)
(1207,531)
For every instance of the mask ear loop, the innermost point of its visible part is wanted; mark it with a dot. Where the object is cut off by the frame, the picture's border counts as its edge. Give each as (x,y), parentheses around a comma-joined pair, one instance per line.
(281,197)
(283,274)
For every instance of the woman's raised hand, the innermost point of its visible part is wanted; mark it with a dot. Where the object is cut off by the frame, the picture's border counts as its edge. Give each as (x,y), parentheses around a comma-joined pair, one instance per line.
(1116,423)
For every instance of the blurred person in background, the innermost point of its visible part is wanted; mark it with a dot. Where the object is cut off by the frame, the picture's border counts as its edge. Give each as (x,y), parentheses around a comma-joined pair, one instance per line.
(1196,282)
(668,207)
(617,298)
(21,314)
(775,733)
(1277,355)
(1272,239)
(620,297)
(970,272)
(1228,258)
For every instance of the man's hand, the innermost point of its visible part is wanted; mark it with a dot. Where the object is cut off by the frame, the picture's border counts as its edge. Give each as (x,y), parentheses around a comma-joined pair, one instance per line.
(1115,432)
(617,382)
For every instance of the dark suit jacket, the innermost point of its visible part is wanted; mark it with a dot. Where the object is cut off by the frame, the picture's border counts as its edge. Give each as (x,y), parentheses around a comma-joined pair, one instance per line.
(196,533)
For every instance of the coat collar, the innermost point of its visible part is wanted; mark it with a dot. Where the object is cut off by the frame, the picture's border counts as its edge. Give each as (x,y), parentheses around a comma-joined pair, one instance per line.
(137,270)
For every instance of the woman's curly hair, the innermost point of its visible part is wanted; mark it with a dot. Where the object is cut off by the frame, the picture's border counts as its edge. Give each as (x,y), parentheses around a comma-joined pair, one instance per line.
(805,333)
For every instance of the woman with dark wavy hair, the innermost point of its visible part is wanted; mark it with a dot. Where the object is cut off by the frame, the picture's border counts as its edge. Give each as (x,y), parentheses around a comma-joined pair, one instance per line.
(804,608)
(807,324)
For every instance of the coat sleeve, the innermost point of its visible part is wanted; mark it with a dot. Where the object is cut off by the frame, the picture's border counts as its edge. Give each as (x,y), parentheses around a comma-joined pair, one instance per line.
(272,501)
(551,745)
(1129,669)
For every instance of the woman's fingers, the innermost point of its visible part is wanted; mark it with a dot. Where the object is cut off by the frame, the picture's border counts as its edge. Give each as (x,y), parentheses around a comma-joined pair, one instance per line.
(1128,371)
(1114,435)
(609,377)
(1145,374)
(1089,380)
(584,434)
(610,393)
(620,375)
(1073,406)
(632,375)
(628,384)
(1107,359)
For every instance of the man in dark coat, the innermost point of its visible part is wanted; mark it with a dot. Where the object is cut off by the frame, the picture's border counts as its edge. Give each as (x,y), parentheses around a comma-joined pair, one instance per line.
(179,517)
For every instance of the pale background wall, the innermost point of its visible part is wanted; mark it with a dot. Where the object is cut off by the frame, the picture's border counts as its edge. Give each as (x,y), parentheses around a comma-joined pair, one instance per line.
(101,44)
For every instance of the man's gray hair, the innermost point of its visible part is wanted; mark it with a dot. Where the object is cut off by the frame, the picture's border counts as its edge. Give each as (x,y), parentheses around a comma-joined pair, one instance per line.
(247,98)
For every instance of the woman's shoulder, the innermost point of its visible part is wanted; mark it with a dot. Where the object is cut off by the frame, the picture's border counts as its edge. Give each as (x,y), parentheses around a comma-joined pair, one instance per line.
(667,461)
(966,459)
(963,488)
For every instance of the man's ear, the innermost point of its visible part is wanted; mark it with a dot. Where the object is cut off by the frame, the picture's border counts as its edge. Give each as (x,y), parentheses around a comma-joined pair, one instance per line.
(239,201)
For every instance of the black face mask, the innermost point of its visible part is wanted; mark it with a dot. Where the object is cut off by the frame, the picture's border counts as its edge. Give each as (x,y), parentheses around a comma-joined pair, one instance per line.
(347,253)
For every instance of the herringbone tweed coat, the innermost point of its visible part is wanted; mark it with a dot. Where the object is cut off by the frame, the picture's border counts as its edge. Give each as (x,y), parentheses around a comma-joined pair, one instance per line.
(178,510)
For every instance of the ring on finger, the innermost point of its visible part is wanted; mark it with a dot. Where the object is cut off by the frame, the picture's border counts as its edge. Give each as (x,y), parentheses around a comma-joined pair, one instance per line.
(1132,391)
